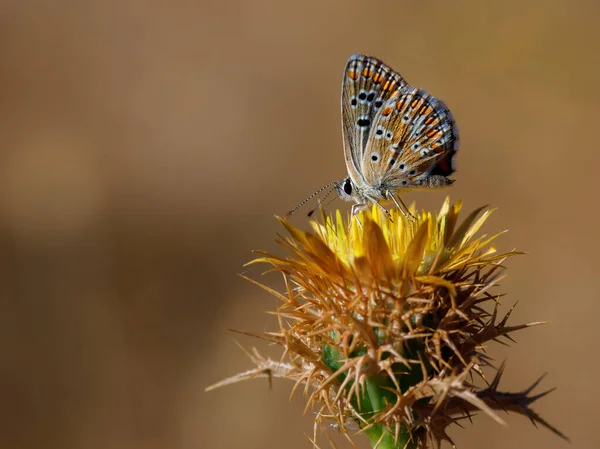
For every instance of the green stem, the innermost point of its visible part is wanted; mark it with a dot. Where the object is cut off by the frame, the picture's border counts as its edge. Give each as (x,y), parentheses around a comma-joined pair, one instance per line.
(374,399)
(380,435)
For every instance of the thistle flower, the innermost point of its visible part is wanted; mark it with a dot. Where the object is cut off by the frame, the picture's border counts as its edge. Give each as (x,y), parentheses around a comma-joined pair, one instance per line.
(384,325)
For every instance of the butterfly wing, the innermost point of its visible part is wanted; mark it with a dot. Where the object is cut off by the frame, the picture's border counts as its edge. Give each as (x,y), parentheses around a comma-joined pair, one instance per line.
(411,144)
(367,85)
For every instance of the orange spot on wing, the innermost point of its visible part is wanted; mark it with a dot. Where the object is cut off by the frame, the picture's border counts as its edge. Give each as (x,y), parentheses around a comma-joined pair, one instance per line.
(416,102)
(400,105)
(352,74)
(388,85)
(367,72)
(377,78)
(387,111)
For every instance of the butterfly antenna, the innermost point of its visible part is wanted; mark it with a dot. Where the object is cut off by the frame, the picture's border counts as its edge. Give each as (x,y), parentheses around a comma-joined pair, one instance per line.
(309,198)
(312,211)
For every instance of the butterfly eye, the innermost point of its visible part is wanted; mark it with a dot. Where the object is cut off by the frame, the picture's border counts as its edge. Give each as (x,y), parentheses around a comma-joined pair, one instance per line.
(424,152)
(348,187)
(353,102)
(379,132)
(371,96)
(375,156)
(378,103)
(401,167)
(415,146)
(406,118)
(362,96)
(389,135)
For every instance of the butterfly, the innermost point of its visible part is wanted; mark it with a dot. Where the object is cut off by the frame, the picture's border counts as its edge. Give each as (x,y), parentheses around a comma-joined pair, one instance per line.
(396,137)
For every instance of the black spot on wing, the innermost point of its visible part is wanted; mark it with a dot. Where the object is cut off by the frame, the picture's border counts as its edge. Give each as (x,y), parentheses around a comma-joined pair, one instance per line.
(363,122)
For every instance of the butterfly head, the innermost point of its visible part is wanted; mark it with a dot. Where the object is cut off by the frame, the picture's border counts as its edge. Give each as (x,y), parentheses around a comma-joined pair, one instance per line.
(346,190)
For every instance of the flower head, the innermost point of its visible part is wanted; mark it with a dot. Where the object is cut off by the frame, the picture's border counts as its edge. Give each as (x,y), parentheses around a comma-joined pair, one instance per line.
(384,323)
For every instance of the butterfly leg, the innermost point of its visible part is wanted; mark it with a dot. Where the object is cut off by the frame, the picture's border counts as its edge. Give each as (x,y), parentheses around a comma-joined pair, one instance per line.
(384,210)
(400,205)
(354,210)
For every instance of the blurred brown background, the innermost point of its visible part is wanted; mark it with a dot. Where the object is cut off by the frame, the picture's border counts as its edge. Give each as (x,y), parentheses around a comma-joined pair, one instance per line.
(145,146)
